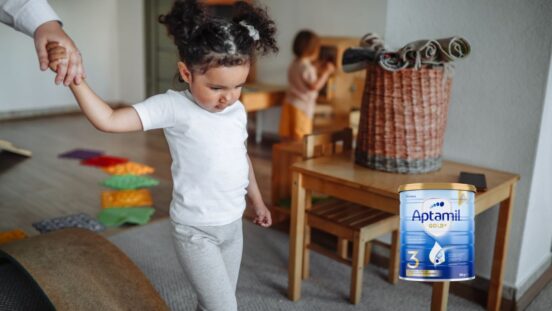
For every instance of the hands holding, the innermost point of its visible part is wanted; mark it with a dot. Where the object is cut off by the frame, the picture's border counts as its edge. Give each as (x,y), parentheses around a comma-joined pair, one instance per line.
(56,56)
(57,51)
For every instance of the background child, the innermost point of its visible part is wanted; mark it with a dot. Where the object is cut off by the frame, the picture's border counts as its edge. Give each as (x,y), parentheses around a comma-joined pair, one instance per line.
(297,114)
(205,128)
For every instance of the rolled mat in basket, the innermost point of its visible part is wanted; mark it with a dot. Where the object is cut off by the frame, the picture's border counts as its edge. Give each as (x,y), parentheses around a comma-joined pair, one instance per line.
(78,269)
(403,119)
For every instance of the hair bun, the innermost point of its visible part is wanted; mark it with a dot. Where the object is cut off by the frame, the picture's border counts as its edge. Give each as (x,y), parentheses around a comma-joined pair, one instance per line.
(257,18)
(185,17)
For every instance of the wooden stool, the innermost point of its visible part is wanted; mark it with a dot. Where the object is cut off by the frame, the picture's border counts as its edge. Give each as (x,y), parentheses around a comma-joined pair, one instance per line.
(347,221)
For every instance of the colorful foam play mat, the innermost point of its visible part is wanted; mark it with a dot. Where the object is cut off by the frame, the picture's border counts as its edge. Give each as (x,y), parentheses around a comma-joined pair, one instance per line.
(81,154)
(71,221)
(114,217)
(124,182)
(12,235)
(126,198)
(104,161)
(132,168)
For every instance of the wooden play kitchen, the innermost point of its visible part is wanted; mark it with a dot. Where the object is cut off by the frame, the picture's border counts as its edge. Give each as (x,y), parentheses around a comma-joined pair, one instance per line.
(343,91)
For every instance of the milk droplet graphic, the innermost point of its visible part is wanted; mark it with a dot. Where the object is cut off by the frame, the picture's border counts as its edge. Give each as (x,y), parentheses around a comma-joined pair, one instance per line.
(437,254)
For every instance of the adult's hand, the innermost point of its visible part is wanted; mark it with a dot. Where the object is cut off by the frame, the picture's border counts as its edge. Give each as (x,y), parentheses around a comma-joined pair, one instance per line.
(69,70)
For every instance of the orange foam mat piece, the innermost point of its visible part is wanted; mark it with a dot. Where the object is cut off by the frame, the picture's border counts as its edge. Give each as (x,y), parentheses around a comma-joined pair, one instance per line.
(126,198)
(12,235)
(131,168)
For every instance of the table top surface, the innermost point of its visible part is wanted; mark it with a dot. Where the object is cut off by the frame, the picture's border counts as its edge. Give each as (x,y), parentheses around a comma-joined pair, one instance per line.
(342,169)
(259,96)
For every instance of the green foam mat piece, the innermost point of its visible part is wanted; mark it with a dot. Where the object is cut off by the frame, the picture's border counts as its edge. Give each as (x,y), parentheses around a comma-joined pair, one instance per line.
(114,217)
(129,182)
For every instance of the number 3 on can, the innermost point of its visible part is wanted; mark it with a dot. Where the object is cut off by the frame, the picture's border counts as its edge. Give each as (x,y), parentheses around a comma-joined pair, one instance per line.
(413,257)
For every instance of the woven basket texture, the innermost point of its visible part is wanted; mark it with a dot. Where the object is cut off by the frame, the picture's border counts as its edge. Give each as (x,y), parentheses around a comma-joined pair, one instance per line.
(403,119)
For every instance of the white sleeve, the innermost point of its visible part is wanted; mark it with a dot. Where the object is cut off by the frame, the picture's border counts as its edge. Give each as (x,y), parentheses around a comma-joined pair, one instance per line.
(26,15)
(156,112)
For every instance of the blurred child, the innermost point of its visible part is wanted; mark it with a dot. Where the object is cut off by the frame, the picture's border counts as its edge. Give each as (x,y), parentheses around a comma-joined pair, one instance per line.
(205,128)
(304,82)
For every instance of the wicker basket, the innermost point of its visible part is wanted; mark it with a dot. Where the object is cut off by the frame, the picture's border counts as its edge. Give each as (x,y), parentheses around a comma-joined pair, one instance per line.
(403,119)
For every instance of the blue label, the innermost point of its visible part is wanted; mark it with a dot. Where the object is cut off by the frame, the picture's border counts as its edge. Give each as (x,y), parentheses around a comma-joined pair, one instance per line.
(437,238)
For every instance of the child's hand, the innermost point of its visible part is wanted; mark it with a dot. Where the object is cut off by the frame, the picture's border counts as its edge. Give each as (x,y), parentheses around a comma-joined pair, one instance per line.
(56,55)
(330,67)
(262,216)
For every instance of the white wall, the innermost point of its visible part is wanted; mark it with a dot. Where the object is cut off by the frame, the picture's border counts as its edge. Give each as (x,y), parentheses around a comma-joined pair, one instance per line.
(109,35)
(132,56)
(326,18)
(497,102)
(349,18)
(537,233)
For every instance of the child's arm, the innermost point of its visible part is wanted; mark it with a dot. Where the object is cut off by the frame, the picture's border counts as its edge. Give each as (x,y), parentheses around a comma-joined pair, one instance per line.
(101,115)
(98,112)
(319,83)
(262,214)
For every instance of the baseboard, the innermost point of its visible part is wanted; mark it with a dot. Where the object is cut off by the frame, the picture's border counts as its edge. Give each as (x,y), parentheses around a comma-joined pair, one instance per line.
(46,112)
(37,113)
(529,280)
(525,300)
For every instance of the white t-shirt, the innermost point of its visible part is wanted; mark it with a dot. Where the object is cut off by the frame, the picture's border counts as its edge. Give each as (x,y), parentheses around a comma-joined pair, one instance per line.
(26,15)
(210,168)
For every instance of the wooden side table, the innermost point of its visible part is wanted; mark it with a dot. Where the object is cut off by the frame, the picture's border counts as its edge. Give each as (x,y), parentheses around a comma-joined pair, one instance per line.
(339,177)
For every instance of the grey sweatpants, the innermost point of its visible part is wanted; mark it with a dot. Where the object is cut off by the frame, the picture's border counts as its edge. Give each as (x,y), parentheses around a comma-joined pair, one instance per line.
(211,257)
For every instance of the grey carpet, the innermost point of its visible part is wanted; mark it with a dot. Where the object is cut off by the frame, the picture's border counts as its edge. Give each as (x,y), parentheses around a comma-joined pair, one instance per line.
(543,301)
(263,277)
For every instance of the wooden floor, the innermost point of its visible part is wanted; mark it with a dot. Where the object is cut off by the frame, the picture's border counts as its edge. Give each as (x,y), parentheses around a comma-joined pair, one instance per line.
(45,186)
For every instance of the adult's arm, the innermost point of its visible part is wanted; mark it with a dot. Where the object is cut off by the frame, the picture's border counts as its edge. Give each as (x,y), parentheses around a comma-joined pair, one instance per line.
(38,20)
(26,15)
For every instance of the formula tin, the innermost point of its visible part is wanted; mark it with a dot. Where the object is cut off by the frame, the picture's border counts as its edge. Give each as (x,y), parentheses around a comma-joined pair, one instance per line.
(437,232)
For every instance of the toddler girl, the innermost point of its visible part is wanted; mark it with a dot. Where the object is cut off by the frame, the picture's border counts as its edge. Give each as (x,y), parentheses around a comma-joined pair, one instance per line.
(205,128)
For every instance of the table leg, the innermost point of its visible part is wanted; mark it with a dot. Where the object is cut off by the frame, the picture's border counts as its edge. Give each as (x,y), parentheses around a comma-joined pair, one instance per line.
(500,251)
(357,268)
(439,296)
(306,239)
(258,126)
(395,257)
(297,227)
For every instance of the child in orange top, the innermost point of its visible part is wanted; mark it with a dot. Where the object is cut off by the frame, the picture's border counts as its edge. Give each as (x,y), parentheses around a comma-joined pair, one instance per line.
(304,83)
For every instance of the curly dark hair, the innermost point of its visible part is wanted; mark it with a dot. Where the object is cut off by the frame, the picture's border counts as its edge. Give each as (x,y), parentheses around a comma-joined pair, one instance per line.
(204,41)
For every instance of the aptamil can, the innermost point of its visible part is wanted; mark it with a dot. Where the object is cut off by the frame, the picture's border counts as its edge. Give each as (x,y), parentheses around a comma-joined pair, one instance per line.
(437,226)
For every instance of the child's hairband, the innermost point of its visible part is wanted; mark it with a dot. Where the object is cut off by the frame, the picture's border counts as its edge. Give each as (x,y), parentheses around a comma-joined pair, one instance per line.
(253,33)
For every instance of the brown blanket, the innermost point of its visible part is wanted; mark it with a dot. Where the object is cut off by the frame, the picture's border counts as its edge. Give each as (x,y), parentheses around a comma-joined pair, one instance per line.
(80,270)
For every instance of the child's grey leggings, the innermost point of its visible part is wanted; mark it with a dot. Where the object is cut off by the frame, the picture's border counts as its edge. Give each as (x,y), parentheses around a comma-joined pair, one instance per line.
(211,257)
